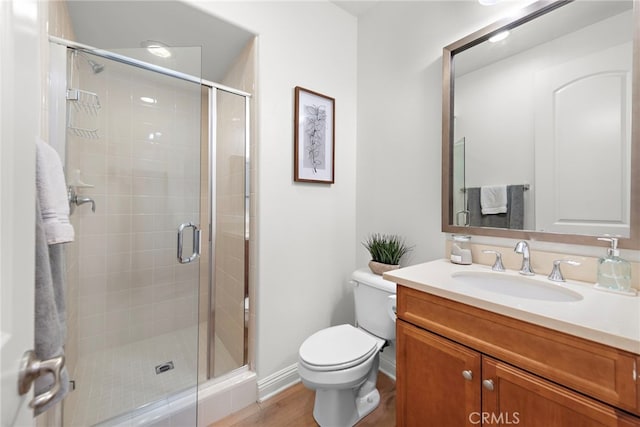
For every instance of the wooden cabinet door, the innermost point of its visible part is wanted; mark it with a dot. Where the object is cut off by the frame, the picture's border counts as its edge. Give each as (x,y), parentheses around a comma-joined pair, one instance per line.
(519,398)
(430,385)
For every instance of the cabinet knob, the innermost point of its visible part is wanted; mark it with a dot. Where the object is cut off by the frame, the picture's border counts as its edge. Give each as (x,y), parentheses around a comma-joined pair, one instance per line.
(488,384)
(468,375)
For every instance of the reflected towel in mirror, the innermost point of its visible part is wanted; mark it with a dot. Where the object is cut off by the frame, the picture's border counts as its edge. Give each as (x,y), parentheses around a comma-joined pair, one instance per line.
(512,219)
(493,199)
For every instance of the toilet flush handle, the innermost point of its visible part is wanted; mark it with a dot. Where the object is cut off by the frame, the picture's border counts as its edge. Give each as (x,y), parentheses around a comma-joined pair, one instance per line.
(391,307)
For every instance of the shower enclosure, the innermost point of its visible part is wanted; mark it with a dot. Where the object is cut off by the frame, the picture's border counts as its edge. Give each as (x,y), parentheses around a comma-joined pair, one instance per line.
(156,162)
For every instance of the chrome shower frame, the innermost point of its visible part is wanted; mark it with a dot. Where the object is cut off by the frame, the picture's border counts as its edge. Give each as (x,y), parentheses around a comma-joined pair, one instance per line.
(211,86)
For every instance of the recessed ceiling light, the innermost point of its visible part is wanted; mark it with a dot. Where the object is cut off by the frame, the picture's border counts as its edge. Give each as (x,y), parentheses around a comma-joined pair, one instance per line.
(157,48)
(500,36)
(148,100)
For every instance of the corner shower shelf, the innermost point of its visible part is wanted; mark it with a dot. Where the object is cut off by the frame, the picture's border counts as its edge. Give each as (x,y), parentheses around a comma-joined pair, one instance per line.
(85,103)
(84,100)
(84,133)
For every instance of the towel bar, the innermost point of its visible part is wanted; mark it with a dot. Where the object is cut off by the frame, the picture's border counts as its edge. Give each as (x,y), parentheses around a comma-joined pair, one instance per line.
(525,187)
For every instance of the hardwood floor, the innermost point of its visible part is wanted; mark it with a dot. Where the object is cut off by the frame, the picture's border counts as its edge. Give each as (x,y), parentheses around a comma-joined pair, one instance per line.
(294,407)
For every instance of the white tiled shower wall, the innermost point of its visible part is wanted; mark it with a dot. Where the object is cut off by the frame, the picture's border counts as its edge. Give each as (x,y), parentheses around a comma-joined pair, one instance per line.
(145,169)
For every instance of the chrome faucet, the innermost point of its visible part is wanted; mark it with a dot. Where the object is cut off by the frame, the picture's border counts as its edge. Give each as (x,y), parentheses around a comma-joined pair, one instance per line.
(76,200)
(82,200)
(497,265)
(522,247)
(556,273)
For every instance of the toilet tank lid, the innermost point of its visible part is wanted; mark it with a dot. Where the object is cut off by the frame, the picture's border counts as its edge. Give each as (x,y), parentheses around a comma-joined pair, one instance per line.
(365,276)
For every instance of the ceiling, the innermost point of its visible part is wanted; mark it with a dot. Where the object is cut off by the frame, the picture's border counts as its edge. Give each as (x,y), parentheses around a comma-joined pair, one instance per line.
(125,24)
(114,25)
(356,7)
(119,25)
(562,21)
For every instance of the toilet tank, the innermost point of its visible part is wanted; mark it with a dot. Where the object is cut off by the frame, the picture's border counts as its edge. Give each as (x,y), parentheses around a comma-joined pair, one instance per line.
(371,295)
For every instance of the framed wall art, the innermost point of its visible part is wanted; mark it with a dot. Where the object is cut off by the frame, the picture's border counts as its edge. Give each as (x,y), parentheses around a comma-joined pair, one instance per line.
(314,137)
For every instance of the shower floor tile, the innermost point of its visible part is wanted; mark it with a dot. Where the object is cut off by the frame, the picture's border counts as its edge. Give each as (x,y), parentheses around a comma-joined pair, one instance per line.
(119,380)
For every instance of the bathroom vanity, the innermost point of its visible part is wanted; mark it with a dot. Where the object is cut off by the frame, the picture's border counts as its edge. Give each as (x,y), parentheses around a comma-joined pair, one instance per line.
(477,347)
(469,354)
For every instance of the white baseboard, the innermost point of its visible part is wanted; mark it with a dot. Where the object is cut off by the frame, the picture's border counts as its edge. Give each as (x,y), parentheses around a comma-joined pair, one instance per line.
(278,381)
(388,365)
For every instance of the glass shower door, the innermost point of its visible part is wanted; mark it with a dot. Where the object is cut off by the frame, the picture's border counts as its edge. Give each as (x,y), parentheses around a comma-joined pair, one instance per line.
(229,304)
(133,273)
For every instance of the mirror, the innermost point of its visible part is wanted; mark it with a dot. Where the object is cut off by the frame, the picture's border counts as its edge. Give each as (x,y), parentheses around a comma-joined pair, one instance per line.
(538,137)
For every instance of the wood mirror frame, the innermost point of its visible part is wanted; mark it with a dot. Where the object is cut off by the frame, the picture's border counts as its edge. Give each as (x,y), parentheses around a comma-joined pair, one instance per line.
(525,15)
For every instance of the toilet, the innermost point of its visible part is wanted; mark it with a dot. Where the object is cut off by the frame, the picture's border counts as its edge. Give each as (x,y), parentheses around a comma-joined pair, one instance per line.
(341,362)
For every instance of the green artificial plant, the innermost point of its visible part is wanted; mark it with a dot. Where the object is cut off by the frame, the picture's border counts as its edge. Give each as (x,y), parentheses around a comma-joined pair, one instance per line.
(386,248)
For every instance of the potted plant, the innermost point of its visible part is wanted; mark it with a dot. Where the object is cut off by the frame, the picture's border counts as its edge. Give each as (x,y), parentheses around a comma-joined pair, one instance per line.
(386,251)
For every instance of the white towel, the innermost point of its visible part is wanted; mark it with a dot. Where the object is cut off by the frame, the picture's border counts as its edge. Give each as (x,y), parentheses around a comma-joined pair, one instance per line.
(52,193)
(493,199)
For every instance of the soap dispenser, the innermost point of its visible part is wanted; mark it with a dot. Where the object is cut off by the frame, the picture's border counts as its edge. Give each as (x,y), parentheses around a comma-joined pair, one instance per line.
(614,273)
(461,250)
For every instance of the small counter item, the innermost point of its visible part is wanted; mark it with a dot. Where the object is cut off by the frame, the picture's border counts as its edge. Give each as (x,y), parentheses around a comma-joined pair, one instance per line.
(461,250)
(614,273)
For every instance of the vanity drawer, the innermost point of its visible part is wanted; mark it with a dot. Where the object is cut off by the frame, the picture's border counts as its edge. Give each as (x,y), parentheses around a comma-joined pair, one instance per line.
(600,371)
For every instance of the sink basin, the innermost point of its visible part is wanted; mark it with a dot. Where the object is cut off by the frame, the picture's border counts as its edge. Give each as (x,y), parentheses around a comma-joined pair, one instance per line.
(515,286)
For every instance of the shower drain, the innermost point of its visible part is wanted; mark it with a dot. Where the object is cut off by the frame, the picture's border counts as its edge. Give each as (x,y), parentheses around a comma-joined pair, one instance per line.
(164,367)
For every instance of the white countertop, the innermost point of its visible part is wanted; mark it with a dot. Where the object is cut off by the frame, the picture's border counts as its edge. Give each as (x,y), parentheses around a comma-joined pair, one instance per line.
(600,316)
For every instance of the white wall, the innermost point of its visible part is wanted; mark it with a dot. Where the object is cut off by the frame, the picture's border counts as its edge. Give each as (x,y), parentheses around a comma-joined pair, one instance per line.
(305,231)
(309,235)
(399,117)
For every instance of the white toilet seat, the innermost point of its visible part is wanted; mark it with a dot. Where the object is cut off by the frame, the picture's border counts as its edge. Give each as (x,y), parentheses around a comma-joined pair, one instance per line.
(338,347)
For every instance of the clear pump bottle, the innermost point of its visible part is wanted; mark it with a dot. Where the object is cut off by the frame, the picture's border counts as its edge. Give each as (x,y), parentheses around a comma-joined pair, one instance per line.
(461,250)
(614,273)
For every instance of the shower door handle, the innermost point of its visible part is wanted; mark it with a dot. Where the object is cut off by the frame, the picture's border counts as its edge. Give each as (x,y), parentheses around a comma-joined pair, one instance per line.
(195,253)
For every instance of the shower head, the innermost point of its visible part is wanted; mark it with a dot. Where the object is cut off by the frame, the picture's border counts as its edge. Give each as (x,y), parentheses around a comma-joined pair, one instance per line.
(97,68)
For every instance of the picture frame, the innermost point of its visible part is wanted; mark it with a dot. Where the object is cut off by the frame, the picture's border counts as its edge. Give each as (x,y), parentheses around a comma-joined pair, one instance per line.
(314,137)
